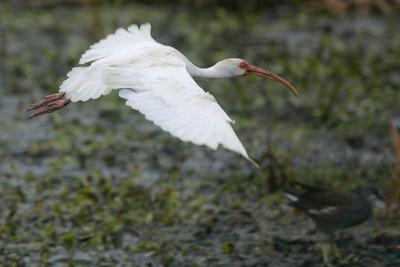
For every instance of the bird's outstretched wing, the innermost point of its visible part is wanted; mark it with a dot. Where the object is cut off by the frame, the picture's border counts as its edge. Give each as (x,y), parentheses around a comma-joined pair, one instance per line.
(123,40)
(122,47)
(171,99)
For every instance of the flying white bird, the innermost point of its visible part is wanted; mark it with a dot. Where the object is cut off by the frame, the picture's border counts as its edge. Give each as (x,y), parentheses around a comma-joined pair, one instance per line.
(156,80)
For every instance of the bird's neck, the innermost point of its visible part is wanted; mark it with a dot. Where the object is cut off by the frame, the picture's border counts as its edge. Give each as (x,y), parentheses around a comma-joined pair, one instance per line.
(211,72)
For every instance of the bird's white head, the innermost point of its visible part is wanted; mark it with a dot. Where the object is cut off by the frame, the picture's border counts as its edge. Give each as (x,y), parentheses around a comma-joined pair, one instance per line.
(232,67)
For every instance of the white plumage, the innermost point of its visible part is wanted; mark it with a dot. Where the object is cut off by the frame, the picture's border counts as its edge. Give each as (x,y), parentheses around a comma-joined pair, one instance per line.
(157,81)
(122,41)
(160,87)
(291,197)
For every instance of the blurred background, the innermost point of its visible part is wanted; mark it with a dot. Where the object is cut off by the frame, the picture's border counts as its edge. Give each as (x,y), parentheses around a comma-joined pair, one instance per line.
(97,185)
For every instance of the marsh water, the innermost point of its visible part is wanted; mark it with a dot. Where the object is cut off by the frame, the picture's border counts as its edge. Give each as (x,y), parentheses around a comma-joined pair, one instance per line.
(95,184)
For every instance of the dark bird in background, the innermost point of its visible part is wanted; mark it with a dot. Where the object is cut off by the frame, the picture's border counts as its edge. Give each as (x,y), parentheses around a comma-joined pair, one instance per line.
(330,209)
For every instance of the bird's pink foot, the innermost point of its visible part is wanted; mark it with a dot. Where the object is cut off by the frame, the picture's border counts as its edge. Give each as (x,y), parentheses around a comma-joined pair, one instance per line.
(48,104)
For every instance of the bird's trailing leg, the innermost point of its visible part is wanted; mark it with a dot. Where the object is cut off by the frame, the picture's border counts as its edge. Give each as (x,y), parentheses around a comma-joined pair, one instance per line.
(336,251)
(48,104)
(333,246)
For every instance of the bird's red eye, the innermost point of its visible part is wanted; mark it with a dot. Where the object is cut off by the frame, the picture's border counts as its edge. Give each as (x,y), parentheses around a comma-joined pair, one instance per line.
(242,65)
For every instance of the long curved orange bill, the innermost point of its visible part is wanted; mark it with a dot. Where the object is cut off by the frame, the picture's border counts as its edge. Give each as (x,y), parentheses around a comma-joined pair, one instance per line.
(253,70)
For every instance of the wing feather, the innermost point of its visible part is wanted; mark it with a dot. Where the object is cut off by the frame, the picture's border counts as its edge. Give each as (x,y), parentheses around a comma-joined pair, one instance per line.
(174,102)
(121,41)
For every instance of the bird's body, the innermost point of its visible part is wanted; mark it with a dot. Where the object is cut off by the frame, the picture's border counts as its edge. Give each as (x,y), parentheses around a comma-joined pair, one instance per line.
(157,81)
(330,209)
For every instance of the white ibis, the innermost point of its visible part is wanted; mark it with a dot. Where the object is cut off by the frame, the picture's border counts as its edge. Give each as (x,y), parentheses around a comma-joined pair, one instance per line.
(156,80)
